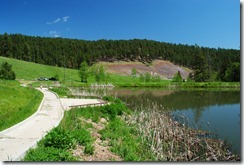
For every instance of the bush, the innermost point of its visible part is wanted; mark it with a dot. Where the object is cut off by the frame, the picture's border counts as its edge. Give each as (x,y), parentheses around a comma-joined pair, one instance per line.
(82,136)
(6,72)
(124,141)
(58,138)
(177,77)
(89,149)
(48,154)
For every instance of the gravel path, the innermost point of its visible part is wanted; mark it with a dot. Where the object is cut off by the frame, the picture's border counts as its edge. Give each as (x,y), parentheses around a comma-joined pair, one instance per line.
(15,141)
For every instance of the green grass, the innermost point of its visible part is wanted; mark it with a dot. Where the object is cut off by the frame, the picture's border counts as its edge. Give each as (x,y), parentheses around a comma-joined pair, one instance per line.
(72,131)
(30,71)
(61,91)
(16,103)
(125,142)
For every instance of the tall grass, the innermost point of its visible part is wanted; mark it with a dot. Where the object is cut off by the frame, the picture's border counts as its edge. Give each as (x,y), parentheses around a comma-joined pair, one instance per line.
(172,141)
(17,103)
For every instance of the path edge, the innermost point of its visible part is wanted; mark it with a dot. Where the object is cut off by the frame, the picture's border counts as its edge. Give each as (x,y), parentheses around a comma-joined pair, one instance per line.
(34,145)
(27,119)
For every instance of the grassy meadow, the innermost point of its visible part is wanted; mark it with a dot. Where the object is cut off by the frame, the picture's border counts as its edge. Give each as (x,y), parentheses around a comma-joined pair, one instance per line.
(30,71)
(16,103)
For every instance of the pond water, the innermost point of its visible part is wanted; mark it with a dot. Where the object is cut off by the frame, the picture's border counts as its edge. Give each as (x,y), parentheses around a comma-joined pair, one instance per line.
(215,111)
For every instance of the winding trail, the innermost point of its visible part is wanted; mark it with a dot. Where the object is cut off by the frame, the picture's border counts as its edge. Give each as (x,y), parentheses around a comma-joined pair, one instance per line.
(18,139)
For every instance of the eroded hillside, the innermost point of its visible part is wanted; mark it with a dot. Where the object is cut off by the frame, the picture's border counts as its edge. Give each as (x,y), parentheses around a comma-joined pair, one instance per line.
(164,69)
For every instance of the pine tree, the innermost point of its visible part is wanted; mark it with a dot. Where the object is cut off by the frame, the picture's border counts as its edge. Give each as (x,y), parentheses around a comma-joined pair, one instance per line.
(200,66)
(6,72)
(83,72)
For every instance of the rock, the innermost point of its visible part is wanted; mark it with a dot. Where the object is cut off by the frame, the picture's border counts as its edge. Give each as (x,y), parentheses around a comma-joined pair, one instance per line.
(102,120)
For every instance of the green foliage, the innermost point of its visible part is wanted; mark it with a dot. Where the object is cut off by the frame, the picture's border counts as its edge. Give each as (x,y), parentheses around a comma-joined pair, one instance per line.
(177,77)
(89,149)
(125,142)
(6,71)
(82,136)
(6,45)
(83,72)
(56,76)
(113,110)
(16,103)
(30,71)
(99,72)
(147,77)
(232,73)
(57,143)
(142,77)
(61,91)
(70,53)
(133,72)
(200,66)
(48,154)
(59,138)
(156,78)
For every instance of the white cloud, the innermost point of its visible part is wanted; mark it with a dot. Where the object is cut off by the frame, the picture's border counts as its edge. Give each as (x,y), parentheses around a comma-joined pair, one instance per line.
(55,21)
(64,19)
(54,34)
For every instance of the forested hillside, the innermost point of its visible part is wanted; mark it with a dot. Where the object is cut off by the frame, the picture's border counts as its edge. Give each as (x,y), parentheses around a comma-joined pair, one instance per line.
(70,53)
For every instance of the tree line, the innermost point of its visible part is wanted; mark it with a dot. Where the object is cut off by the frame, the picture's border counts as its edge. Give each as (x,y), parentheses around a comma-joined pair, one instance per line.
(70,53)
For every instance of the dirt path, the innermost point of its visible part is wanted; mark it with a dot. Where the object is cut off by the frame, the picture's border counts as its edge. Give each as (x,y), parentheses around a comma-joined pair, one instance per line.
(15,141)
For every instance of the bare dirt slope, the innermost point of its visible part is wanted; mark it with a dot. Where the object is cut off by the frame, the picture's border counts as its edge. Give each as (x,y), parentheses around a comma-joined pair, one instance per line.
(164,69)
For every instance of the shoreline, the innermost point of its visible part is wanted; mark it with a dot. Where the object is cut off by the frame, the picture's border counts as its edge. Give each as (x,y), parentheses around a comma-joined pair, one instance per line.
(160,136)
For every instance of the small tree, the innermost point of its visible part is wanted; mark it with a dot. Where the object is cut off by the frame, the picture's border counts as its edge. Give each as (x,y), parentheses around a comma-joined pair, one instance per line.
(83,72)
(147,77)
(177,77)
(156,78)
(6,72)
(99,72)
(133,72)
(142,77)
(190,77)
(232,73)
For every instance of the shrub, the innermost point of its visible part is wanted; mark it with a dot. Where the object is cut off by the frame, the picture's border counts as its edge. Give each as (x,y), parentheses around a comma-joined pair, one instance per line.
(58,138)
(6,72)
(48,154)
(89,149)
(82,136)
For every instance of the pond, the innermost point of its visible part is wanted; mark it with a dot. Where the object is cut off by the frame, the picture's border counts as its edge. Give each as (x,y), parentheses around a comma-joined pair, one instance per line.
(215,111)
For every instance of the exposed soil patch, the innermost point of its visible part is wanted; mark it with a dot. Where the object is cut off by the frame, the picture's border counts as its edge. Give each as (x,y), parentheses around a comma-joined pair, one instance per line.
(165,69)
(101,149)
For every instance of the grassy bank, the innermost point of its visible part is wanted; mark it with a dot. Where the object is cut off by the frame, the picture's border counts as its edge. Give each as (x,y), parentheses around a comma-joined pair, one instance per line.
(114,133)
(16,103)
(30,71)
(97,134)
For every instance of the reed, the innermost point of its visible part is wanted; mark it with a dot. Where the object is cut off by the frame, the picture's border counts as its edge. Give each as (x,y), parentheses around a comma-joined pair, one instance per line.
(172,141)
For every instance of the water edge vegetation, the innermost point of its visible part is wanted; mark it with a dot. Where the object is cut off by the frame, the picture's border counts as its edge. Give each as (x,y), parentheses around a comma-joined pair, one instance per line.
(146,136)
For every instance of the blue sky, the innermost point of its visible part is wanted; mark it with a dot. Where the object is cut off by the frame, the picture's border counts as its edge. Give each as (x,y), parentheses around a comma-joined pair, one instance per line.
(211,23)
